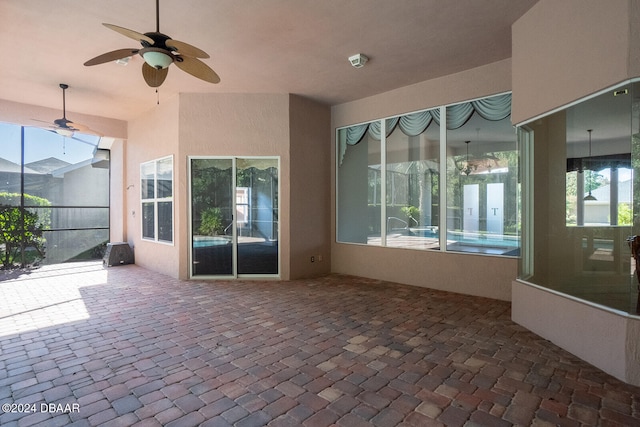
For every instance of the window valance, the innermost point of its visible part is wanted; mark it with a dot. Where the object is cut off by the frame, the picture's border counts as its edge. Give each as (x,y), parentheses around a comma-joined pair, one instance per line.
(598,163)
(493,108)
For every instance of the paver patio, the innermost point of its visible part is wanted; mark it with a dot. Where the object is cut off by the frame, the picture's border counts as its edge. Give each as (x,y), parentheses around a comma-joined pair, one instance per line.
(84,345)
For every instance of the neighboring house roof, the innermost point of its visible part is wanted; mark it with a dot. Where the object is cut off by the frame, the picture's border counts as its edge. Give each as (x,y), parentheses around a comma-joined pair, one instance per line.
(10,167)
(602,194)
(58,173)
(47,165)
(51,166)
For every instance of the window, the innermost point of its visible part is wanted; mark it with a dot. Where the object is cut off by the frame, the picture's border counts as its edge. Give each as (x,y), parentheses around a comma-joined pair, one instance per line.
(390,186)
(243,202)
(360,186)
(156,186)
(412,177)
(482,186)
(394,202)
(583,164)
(599,174)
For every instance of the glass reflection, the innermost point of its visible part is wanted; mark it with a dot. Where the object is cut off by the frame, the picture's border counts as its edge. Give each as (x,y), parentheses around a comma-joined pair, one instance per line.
(257,216)
(413,190)
(211,217)
(585,165)
(482,188)
(359,186)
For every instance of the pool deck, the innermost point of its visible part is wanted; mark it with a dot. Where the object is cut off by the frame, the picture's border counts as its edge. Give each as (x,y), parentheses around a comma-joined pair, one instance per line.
(127,346)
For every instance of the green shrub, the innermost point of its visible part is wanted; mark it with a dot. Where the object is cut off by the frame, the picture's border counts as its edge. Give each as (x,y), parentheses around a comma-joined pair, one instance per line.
(211,222)
(22,229)
(413,215)
(19,229)
(625,215)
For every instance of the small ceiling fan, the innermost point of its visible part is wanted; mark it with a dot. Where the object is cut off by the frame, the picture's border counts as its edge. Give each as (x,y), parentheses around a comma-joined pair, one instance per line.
(159,51)
(64,126)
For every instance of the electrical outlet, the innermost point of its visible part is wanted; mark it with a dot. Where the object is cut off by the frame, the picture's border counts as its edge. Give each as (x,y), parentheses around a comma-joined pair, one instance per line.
(313,259)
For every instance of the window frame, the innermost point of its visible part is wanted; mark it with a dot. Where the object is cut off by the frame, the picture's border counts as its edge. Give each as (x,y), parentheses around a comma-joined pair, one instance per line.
(442,180)
(155,201)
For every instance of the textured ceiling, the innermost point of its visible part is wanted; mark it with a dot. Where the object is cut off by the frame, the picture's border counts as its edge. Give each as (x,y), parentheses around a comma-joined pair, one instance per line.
(256,46)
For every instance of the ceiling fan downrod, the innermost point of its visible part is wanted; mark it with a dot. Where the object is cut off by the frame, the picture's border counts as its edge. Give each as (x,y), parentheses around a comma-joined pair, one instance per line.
(157,16)
(64,87)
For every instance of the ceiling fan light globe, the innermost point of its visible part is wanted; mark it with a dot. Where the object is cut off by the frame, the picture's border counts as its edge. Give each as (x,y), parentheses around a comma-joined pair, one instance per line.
(157,58)
(64,132)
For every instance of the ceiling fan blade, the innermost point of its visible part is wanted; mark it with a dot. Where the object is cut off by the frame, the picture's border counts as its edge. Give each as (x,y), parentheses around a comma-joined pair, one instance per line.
(153,76)
(68,125)
(84,130)
(71,128)
(77,126)
(197,68)
(186,49)
(111,56)
(130,33)
(84,142)
(41,121)
(71,136)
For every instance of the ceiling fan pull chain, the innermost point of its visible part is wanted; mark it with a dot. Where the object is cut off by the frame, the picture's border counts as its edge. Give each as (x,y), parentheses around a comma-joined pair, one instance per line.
(158,96)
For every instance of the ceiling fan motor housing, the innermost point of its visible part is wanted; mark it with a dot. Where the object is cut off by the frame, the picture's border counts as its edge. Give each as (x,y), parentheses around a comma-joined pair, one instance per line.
(157,55)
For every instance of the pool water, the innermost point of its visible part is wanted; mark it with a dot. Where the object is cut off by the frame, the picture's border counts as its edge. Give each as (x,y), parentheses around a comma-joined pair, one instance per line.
(208,241)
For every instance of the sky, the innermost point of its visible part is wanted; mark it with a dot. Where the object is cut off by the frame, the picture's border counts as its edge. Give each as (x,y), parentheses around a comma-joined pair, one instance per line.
(42,144)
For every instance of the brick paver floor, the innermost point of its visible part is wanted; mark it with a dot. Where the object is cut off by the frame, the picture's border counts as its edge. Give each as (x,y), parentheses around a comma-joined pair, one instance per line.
(83,345)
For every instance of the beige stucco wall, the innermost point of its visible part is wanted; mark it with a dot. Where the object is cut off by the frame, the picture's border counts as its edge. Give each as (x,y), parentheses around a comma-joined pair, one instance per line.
(310,228)
(470,84)
(235,125)
(603,338)
(281,125)
(26,114)
(151,136)
(117,192)
(565,50)
(480,275)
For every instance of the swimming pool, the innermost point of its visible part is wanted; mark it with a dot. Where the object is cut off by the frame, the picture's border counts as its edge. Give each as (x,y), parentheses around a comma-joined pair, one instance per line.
(465,237)
(208,241)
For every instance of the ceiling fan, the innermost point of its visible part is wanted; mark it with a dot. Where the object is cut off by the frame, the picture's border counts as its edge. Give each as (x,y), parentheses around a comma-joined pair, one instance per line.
(64,126)
(159,51)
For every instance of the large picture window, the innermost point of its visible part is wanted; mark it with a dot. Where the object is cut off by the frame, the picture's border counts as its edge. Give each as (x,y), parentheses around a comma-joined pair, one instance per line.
(391,189)
(582,161)
(156,184)
(482,182)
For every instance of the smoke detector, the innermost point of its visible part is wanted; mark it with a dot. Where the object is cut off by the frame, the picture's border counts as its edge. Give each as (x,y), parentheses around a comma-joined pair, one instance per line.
(358,60)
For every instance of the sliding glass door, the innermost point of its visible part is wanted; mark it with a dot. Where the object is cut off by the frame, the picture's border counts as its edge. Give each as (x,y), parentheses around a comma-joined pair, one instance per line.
(211,217)
(257,216)
(234,217)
